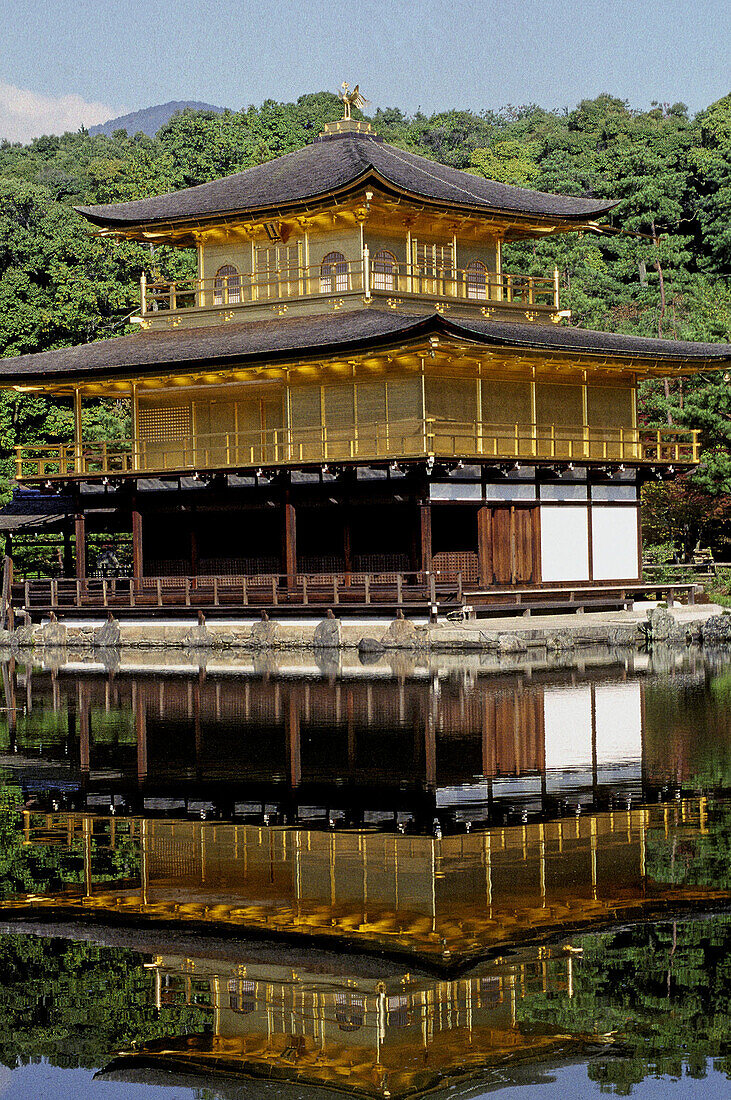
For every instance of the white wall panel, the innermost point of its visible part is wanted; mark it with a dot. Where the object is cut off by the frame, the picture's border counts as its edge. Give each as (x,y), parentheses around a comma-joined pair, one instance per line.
(567,717)
(507,491)
(614,543)
(618,723)
(564,492)
(455,491)
(614,493)
(564,543)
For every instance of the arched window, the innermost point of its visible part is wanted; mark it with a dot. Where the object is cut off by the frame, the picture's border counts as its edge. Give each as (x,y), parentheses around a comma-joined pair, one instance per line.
(349,1011)
(227,286)
(241,997)
(476,280)
(384,270)
(333,274)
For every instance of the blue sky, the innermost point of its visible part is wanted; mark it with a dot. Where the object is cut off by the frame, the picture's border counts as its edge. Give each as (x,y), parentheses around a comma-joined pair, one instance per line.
(67,61)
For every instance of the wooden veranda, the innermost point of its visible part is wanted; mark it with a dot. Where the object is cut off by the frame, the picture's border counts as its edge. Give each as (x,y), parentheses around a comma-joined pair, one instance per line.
(369,594)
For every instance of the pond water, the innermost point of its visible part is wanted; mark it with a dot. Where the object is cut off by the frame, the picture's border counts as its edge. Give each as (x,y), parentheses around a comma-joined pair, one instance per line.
(395,879)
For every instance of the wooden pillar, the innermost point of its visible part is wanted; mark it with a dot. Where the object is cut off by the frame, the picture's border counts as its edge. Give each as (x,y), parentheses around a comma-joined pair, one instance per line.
(425,533)
(289,542)
(430,752)
(80,527)
(193,548)
(136,544)
(484,544)
(141,730)
(68,557)
(82,707)
(78,444)
(292,720)
(347,543)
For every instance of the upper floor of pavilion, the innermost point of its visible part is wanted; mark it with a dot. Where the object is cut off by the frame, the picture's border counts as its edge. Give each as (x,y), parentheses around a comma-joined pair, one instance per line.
(341,223)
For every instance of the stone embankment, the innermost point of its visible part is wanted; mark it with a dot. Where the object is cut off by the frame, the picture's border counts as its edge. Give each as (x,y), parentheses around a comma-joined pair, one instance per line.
(700,625)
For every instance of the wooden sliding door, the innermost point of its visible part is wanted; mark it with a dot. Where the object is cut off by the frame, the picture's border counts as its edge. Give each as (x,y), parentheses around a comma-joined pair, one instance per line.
(509,544)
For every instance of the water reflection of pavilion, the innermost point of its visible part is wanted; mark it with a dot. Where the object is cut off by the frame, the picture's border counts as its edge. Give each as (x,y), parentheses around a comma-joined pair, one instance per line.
(402,1035)
(365,751)
(443,899)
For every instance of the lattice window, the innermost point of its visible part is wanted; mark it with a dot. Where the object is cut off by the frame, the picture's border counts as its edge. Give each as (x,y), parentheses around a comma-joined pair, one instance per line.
(477,280)
(227,286)
(333,273)
(164,424)
(278,270)
(433,261)
(384,268)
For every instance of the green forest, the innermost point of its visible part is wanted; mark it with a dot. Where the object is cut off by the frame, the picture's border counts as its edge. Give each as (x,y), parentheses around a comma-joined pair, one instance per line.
(665,274)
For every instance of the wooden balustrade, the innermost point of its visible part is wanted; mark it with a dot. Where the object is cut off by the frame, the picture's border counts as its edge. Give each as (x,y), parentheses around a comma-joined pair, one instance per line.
(253,591)
(385,440)
(346,277)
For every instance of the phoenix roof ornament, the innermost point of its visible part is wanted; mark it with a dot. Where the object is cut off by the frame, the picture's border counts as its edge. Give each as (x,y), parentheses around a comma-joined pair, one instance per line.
(351,99)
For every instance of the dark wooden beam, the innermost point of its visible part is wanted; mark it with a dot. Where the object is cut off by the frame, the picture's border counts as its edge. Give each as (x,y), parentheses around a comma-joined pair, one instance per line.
(136,544)
(292,722)
(68,558)
(425,531)
(484,544)
(289,542)
(80,531)
(193,548)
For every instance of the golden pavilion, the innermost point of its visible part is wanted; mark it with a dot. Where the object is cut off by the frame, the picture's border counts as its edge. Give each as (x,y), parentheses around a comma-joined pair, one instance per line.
(354,397)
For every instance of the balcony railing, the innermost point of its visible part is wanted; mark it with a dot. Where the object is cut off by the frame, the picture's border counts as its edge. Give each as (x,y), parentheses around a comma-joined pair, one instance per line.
(364,276)
(386,440)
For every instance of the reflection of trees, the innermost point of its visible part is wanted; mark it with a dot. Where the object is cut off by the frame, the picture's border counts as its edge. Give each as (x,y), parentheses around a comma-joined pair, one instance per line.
(41,868)
(695,859)
(686,736)
(664,990)
(75,1003)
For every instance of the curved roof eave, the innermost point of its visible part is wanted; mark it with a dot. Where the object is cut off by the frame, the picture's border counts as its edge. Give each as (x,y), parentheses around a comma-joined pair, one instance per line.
(353,171)
(374,177)
(182,350)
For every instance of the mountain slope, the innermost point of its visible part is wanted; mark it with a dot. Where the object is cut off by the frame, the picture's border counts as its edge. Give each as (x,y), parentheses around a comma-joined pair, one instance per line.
(150,119)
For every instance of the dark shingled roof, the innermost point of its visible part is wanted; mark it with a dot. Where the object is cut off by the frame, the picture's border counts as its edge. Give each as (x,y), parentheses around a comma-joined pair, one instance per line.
(30,508)
(339,163)
(344,332)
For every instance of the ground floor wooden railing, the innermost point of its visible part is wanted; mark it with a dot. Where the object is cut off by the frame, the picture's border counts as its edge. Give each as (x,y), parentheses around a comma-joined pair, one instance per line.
(344,593)
(387,440)
(255,591)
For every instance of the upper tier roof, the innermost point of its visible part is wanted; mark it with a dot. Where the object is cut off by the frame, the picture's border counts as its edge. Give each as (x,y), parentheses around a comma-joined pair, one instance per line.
(335,164)
(154,351)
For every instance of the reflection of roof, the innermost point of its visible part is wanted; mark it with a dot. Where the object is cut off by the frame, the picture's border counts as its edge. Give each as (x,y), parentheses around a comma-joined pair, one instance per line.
(30,508)
(141,1071)
(344,331)
(340,163)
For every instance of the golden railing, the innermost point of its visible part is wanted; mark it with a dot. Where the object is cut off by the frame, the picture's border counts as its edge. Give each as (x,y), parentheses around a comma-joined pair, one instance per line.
(364,276)
(384,440)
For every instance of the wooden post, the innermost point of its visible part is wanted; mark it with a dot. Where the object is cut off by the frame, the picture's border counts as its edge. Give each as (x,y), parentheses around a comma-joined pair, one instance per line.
(7,593)
(82,706)
(425,532)
(484,544)
(289,538)
(68,560)
(78,444)
(141,730)
(136,545)
(292,719)
(80,530)
(134,418)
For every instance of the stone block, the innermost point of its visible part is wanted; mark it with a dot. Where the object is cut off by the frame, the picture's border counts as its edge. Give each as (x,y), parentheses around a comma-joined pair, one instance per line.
(401,634)
(264,634)
(328,633)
